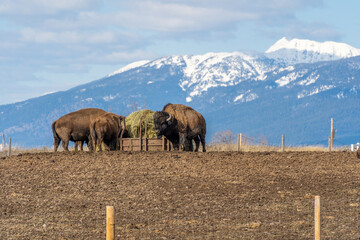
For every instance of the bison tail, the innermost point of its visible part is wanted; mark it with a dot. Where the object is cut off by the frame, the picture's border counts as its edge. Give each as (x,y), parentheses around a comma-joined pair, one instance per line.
(57,139)
(56,136)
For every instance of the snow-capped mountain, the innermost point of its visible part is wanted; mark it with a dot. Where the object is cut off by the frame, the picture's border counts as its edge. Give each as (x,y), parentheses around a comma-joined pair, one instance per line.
(307,51)
(212,70)
(248,93)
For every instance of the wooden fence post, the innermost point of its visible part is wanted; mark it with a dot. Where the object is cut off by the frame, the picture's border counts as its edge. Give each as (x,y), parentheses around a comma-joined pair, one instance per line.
(9,152)
(317,217)
(110,223)
(123,119)
(140,137)
(332,134)
(163,143)
(3,142)
(283,143)
(239,142)
(146,138)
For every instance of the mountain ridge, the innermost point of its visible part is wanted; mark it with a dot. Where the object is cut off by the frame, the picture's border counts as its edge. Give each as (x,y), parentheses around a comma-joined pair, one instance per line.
(252,94)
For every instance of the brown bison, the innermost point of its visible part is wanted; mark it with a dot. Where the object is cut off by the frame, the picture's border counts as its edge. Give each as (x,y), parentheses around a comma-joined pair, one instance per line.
(105,131)
(74,126)
(181,124)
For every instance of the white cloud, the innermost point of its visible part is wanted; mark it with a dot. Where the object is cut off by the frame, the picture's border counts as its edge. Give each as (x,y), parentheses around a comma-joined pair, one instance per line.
(315,30)
(175,16)
(67,37)
(35,7)
(182,16)
(165,17)
(116,56)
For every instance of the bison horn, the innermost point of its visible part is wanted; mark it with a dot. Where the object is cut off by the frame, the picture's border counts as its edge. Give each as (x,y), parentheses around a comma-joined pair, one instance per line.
(169,118)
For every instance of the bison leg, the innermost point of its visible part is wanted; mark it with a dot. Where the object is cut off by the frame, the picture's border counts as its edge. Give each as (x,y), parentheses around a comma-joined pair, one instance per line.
(175,144)
(113,144)
(91,143)
(65,145)
(108,145)
(197,142)
(100,144)
(202,139)
(56,144)
(188,145)
(182,140)
(76,145)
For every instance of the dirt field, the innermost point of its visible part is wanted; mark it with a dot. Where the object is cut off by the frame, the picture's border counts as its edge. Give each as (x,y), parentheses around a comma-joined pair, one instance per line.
(175,195)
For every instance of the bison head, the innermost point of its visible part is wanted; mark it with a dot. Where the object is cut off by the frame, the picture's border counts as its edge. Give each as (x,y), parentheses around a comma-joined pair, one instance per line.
(164,124)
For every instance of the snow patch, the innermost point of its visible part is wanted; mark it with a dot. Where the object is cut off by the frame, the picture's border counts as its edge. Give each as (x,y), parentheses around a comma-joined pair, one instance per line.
(314,91)
(110,97)
(87,100)
(285,80)
(309,80)
(129,67)
(211,70)
(47,93)
(240,97)
(289,69)
(341,50)
(306,51)
(172,60)
(248,96)
(340,95)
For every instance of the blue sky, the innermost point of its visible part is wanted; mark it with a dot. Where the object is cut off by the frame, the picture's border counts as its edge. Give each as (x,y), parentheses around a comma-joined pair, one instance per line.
(48,45)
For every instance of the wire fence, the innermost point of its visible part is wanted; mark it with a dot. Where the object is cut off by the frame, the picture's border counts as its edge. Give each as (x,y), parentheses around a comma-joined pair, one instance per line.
(280,218)
(227,141)
(272,220)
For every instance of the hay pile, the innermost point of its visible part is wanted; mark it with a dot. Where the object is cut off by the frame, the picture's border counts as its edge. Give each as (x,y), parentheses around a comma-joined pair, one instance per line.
(133,126)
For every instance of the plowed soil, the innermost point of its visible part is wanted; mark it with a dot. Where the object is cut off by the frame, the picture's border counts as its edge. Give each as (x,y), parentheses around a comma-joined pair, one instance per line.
(176,195)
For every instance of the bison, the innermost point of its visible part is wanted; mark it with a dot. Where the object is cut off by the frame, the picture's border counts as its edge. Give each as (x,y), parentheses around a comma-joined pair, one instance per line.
(74,126)
(105,131)
(181,124)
